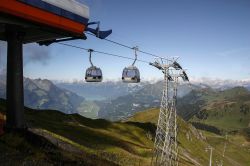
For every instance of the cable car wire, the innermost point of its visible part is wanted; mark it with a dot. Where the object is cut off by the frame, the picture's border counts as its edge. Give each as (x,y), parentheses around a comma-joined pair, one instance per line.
(101,52)
(123,45)
(111,41)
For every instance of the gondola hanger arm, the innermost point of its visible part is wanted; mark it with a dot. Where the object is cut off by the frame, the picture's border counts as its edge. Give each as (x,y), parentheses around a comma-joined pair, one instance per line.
(90,52)
(135,49)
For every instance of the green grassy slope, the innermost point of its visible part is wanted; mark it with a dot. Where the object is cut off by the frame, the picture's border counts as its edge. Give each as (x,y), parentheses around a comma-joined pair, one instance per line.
(227,110)
(237,148)
(117,143)
(26,148)
(193,142)
(150,115)
(55,138)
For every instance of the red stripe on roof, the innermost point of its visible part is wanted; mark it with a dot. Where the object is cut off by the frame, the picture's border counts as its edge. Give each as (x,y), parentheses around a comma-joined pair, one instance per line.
(37,15)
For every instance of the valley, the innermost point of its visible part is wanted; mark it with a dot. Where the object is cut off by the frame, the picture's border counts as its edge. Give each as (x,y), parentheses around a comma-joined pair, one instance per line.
(55,137)
(206,116)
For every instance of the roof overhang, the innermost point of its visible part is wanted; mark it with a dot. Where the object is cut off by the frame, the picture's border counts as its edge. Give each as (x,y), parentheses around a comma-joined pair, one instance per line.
(39,24)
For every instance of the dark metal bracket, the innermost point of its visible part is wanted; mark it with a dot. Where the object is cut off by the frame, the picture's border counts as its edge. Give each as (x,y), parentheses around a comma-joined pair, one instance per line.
(97,32)
(48,42)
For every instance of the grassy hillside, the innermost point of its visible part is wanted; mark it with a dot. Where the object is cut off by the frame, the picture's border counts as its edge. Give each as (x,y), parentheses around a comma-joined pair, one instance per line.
(55,138)
(27,148)
(116,143)
(150,115)
(237,148)
(193,142)
(227,110)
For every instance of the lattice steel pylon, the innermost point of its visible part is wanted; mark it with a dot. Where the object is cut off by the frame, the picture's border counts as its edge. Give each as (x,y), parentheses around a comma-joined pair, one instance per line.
(165,145)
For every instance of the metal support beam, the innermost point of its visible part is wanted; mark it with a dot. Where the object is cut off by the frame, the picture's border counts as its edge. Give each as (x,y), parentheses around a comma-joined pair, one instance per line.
(15,99)
(166,144)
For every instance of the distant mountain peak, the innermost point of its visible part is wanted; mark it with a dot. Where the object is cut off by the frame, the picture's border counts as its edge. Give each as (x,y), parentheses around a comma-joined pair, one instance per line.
(43,94)
(221,84)
(44,84)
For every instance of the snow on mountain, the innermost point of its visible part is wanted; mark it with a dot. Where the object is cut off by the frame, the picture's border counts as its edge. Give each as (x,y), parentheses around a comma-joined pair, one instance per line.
(221,84)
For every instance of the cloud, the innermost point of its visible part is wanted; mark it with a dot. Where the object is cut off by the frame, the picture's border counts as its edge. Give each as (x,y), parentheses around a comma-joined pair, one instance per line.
(36,53)
(3,71)
(31,53)
(3,57)
(233,52)
(220,83)
(3,51)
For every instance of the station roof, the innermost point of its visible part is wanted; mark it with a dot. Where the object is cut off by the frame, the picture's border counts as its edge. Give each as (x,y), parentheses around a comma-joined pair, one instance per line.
(42,20)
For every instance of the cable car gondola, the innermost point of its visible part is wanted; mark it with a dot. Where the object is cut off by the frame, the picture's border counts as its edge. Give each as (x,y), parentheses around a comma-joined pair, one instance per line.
(93,73)
(131,73)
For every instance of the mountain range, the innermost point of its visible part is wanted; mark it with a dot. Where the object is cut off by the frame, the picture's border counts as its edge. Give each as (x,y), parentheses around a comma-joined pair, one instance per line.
(208,115)
(43,94)
(101,91)
(111,100)
(221,84)
(219,110)
(147,97)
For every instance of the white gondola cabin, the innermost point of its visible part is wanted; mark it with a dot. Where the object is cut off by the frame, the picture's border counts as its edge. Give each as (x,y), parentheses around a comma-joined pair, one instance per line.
(131,73)
(93,73)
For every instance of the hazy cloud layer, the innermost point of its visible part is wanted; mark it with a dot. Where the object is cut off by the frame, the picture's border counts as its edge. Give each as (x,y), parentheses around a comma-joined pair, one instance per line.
(36,53)
(31,53)
(3,52)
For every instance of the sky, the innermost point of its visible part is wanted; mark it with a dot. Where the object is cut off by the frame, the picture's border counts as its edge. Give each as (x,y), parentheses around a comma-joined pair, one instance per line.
(210,37)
